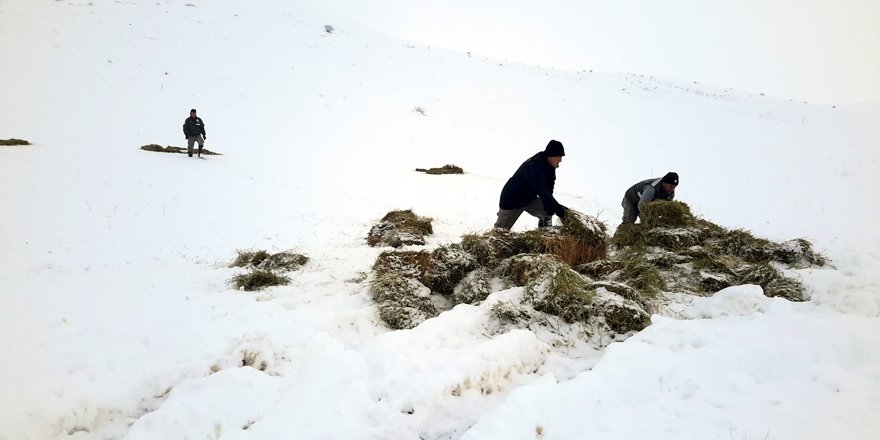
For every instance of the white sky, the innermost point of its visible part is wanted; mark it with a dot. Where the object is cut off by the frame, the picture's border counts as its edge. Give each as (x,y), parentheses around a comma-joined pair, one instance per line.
(820,51)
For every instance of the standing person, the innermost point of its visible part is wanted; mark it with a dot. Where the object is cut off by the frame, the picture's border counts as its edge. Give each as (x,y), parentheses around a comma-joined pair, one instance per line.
(194,130)
(648,190)
(530,189)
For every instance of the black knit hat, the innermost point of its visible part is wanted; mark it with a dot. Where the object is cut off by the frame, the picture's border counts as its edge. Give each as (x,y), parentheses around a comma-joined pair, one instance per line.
(554,148)
(670,177)
(192,111)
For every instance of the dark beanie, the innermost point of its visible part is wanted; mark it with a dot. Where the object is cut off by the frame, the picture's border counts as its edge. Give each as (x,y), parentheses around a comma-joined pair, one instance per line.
(670,177)
(192,111)
(554,148)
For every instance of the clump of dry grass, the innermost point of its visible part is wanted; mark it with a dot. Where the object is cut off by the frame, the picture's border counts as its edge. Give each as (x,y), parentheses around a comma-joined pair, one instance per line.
(623,290)
(629,234)
(511,313)
(261,259)
(584,227)
(178,150)
(624,318)
(13,142)
(743,244)
(412,264)
(581,239)
(445,169)
(672,238)
(475,287)
(575,251)
(448,265)
(639,273)
(568,296)
(480,248)
(402,302)
(497,244)
(799,253)
(526,269)
(258,279)
(265,269)
(666,213)
(600,268)
(772,281)
(399,228)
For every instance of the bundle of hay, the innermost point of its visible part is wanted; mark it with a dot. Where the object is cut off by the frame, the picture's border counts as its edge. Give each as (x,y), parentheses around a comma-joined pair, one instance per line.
(156,148)
(13,142)
(583,239)
(403,301)
(537,260)
(673,249)
(265,269)
(571,273)
(445,169)
(399,228)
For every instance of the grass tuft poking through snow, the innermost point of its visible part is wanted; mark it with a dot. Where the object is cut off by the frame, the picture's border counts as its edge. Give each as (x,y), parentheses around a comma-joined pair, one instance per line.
(281,261)
(258,279)
(265,269)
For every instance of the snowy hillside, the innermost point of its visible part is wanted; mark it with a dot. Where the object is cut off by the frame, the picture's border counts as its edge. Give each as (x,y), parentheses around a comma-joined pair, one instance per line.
(116,319)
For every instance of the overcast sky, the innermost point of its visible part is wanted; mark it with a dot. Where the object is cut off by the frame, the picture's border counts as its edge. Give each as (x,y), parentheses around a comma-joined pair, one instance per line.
(818,51)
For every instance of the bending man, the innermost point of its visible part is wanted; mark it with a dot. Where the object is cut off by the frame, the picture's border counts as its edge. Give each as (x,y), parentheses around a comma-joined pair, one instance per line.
(530,189)
(648,190)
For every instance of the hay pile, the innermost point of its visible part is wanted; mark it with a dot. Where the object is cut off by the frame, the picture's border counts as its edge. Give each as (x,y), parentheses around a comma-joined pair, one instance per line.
(673,250)
(156,148)
(578,274)
(399,228)
(445,169)
(408,286)
(265,269)
(13,142)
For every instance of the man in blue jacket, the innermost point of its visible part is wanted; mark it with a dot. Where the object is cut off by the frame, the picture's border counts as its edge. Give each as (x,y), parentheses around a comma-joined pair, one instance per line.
(648,190)
(531,189)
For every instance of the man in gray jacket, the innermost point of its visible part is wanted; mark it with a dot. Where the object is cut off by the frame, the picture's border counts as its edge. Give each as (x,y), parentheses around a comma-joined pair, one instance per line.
(648,190)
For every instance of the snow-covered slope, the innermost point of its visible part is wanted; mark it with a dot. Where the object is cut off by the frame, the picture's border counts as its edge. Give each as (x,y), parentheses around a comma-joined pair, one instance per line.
(116,318)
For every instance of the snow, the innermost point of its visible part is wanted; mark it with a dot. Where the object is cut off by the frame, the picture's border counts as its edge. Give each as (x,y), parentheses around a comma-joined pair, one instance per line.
(756,376)
(117,321)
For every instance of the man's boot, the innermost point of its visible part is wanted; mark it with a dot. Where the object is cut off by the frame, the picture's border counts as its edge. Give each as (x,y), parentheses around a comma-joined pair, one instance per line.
(545,222)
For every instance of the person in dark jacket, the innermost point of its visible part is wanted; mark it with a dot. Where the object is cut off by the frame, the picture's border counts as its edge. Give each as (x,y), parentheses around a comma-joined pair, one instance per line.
(648,190)
(530,189)
(194,130)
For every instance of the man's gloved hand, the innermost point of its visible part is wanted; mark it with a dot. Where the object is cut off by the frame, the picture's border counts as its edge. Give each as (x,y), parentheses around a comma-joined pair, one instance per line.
(205,137)
(561,211)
